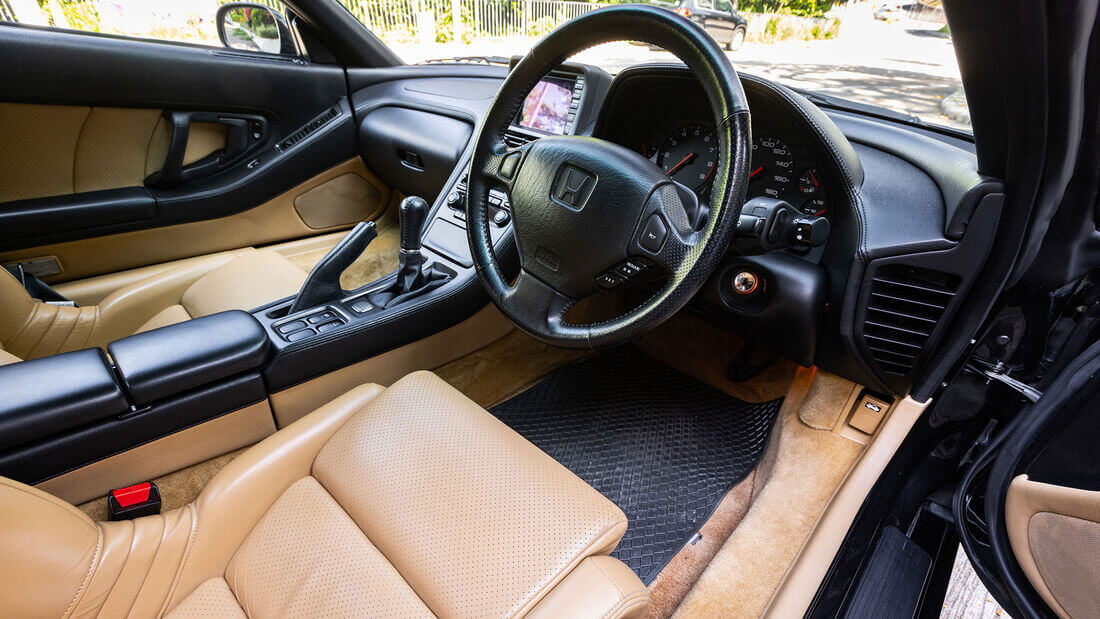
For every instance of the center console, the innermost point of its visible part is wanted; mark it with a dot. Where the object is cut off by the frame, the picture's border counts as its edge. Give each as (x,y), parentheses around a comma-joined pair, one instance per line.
(77,409)
(309,342)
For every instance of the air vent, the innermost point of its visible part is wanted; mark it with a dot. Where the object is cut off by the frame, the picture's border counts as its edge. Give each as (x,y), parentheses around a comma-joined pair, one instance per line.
(309,128)
(513,139)
(905,306)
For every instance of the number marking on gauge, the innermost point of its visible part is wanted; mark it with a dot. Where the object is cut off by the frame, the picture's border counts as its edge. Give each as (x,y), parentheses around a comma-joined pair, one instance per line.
(773,163)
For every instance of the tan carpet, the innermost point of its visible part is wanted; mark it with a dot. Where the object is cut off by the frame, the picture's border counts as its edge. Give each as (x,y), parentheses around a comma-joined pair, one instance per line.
(820,410)
(699,349)
(176,489)
(677,578)
(506,367)
(794,486)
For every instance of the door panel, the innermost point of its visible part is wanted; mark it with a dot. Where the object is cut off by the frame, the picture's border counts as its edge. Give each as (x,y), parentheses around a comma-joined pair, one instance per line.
(1055,535)
(54,150)
(86,119)
(1028,509)
(274,220)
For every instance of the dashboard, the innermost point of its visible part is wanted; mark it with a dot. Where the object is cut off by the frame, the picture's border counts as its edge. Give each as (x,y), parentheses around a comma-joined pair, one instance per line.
(910,219)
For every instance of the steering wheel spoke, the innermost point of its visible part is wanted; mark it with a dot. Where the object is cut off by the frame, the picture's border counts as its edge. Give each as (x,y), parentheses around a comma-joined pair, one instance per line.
(665,234)
(541,304)
(500,166)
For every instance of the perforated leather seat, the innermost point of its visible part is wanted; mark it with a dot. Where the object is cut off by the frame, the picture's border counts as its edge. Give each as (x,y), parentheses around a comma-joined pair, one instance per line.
(241,280)
(410,500)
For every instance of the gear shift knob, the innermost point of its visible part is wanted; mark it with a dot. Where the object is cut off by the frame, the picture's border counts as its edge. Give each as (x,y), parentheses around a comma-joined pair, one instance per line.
(413,211)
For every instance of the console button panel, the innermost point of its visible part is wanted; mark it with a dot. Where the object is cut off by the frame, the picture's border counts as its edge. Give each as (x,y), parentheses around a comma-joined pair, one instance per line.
(319,320)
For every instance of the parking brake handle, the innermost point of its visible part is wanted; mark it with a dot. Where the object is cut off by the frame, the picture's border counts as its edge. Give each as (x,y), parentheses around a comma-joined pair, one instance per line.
(323,282)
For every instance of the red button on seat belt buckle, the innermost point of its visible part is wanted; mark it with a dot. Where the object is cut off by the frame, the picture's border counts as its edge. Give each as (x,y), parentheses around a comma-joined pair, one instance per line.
(133,501)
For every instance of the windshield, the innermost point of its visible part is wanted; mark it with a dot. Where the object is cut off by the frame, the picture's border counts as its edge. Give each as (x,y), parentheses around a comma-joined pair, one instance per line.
(893,56)
(889,55)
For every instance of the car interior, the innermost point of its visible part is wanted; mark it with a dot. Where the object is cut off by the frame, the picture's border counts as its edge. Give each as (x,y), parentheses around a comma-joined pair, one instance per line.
(321,333)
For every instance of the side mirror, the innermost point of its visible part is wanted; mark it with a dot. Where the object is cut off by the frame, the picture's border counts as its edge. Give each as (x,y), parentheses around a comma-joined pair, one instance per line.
(254,27)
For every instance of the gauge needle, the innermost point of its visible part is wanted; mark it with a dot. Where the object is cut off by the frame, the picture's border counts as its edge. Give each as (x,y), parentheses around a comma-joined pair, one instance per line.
(756,171)
(683,161)
(814,178)
(818,214)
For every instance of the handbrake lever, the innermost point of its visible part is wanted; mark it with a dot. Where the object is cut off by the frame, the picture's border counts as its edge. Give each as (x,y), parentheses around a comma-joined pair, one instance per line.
(323,282)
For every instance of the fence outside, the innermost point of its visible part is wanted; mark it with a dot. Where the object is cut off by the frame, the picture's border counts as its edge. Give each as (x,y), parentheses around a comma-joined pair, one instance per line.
(429,21)
(425,21)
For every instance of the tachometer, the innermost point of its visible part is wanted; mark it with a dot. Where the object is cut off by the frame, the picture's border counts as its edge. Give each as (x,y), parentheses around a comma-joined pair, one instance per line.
(689,156)
(772,167)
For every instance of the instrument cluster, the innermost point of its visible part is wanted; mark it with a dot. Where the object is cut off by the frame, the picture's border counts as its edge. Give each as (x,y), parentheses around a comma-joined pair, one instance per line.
(780,167)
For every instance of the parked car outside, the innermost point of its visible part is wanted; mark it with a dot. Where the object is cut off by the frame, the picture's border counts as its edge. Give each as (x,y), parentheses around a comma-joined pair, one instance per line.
(718,17)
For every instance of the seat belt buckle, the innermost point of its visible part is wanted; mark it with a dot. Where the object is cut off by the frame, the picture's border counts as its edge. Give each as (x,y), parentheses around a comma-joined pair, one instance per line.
(133,501)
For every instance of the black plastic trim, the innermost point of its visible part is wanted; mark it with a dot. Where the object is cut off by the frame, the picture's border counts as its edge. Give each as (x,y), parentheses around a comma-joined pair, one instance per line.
(36,462)
(46,396)
(69,213)
(390,135)
(787,311)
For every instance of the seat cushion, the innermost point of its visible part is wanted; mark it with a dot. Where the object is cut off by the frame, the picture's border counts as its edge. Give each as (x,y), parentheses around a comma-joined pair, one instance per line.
(242,280)
(170,315)
(479,521)
(250,280)
(307,557)
(409,501)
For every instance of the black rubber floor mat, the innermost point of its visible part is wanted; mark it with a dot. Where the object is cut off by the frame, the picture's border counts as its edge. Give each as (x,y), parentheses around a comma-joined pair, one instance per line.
(661,445)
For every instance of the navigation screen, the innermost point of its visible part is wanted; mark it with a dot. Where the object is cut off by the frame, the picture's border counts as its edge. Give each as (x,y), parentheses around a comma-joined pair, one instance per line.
(546,107)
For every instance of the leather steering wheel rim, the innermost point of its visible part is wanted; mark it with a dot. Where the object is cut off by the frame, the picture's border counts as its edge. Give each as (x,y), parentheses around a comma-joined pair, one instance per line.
(534,302)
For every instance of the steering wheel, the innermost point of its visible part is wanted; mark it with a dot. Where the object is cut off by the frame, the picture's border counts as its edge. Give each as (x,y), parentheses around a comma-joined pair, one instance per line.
(583,206)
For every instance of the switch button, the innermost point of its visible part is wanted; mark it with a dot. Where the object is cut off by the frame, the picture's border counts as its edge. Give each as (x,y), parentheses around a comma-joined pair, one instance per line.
(653,234)
(868,414)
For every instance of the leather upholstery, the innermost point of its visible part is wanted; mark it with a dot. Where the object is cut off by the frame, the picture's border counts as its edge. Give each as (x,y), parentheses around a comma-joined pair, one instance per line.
(244,280)
(6,357)
(52,150)
(406,501)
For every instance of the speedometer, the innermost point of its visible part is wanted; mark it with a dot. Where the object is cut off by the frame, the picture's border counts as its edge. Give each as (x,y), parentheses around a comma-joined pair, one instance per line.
(689,156)
(772,167)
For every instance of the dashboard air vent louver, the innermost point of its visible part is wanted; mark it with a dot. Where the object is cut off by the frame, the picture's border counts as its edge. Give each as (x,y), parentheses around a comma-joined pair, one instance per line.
(513,139)
(307,129)
(905,306)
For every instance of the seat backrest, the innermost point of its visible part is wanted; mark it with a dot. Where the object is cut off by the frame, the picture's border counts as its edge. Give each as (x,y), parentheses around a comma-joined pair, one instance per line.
(30,328)
(6,357)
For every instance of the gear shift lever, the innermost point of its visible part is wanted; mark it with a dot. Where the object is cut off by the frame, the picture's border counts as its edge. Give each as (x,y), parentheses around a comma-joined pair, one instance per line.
(410,274)
(413,278)
(413,211)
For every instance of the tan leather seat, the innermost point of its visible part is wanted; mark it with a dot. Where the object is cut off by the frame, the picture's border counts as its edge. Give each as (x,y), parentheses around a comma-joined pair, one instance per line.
(242,280)
(410,501)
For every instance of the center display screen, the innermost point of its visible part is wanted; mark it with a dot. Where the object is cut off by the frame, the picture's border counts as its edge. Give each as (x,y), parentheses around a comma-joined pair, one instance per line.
(546,107)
